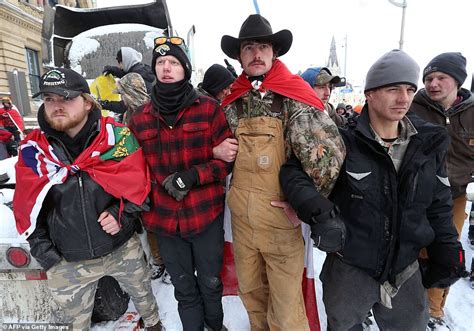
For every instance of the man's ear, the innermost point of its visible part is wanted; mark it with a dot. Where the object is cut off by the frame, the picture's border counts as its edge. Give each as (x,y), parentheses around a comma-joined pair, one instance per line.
(89,104)
(368,95)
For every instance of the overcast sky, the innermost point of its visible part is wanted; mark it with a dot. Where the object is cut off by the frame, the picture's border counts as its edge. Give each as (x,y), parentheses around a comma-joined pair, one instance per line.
(372,28)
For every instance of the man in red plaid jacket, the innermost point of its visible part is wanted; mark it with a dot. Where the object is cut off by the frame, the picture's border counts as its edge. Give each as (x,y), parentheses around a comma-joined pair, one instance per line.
(178,130)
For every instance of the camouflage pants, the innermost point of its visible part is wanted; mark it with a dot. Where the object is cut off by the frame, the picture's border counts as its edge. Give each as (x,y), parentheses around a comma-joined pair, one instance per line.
(73,284)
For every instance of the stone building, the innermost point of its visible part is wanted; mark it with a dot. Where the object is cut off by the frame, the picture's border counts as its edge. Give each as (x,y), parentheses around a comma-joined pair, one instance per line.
(20,47)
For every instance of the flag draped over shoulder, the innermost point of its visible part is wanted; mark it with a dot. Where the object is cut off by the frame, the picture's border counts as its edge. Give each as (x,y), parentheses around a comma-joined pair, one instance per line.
(114,160)
(278,80)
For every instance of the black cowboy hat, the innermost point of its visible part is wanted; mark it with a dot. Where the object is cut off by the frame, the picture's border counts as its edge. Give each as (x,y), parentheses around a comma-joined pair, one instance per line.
(256,27)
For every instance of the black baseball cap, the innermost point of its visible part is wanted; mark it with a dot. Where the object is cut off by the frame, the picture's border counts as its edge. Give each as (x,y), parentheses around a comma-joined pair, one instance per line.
(64,82)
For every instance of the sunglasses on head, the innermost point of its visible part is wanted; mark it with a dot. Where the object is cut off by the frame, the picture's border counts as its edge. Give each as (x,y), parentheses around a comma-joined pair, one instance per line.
(173,40)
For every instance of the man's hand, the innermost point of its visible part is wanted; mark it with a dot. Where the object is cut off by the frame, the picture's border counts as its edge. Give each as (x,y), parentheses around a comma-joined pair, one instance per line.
(328,231)
(288,210)
(178,184)
(114,71)
(109,223)
(226,150)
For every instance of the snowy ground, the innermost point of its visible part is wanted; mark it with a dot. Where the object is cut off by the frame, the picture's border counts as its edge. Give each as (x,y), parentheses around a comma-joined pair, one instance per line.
(459,307)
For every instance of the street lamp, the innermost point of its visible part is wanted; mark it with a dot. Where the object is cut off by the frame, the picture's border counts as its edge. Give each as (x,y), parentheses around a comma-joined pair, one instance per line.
(403,5)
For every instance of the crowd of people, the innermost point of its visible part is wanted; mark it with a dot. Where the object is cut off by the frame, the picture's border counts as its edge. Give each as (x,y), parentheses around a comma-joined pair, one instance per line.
(383,191)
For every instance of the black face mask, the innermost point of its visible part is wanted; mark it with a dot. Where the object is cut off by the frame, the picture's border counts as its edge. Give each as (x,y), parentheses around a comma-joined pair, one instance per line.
(171,98)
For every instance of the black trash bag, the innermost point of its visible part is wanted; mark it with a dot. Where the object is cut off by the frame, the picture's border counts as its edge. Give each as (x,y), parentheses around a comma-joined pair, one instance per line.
(110,301)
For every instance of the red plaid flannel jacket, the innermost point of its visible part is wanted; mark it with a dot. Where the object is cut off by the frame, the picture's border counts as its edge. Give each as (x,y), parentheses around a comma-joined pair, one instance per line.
(189,143)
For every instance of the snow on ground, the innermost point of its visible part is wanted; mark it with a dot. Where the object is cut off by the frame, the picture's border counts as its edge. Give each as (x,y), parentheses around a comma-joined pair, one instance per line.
(459,306)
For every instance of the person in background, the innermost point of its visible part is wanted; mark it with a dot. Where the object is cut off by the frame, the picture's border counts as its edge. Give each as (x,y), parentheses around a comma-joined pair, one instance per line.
(178,130)
(341,109)
(351,115)
(5,142)
(273,114)
(217,82)
(129,60)
(444,102)
(133,93)
(322,81)
(11,119)
(81,182)
(394,199)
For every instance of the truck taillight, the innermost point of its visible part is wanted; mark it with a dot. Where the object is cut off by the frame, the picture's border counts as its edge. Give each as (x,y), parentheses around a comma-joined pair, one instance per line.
(35,275)
(18,257)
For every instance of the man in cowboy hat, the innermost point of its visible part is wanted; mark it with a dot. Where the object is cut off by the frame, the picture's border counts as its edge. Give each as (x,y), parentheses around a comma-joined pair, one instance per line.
(273,114)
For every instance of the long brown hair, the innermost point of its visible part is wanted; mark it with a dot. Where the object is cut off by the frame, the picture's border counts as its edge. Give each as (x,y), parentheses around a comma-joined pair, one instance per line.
(92,100)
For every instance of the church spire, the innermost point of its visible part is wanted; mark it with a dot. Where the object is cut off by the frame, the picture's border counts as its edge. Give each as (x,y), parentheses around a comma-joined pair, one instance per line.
(333,62)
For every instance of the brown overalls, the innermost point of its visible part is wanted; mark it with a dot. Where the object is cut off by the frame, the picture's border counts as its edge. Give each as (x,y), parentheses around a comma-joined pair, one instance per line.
(268,249)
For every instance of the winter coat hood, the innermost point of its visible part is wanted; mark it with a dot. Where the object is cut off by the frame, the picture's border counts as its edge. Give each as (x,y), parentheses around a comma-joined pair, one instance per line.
(130,57)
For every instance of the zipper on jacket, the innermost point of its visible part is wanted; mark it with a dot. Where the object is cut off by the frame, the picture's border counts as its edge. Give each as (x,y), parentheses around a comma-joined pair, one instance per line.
(81,192)
(447,120)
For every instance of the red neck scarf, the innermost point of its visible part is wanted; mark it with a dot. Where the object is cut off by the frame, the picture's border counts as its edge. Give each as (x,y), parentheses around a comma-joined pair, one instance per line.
(278,80)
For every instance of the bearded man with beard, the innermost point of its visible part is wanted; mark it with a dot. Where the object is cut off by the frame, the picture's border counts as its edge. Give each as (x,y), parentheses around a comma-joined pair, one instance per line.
(81,182)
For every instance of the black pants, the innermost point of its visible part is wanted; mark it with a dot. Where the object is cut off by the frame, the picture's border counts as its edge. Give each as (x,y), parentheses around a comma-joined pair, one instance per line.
(349,293)
(199,295)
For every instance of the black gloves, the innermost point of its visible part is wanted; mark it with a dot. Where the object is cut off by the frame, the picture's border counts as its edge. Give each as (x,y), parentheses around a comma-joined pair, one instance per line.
(231,68)
(445,265)
(178,184)
(114,71)
(327,228)
(328,231)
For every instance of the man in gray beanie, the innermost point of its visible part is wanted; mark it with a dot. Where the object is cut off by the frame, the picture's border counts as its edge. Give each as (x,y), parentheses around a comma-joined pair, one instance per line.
(394,199)
(445,103)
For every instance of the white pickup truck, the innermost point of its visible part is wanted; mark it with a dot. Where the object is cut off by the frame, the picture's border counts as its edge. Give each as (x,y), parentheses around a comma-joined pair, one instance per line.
(25,297)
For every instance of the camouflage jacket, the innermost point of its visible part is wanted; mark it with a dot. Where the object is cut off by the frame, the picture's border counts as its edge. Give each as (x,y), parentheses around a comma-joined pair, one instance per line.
(309,133)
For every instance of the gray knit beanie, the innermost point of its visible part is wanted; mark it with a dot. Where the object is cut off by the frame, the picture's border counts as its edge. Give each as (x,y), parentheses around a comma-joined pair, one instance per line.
(394,67)
(451,63)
